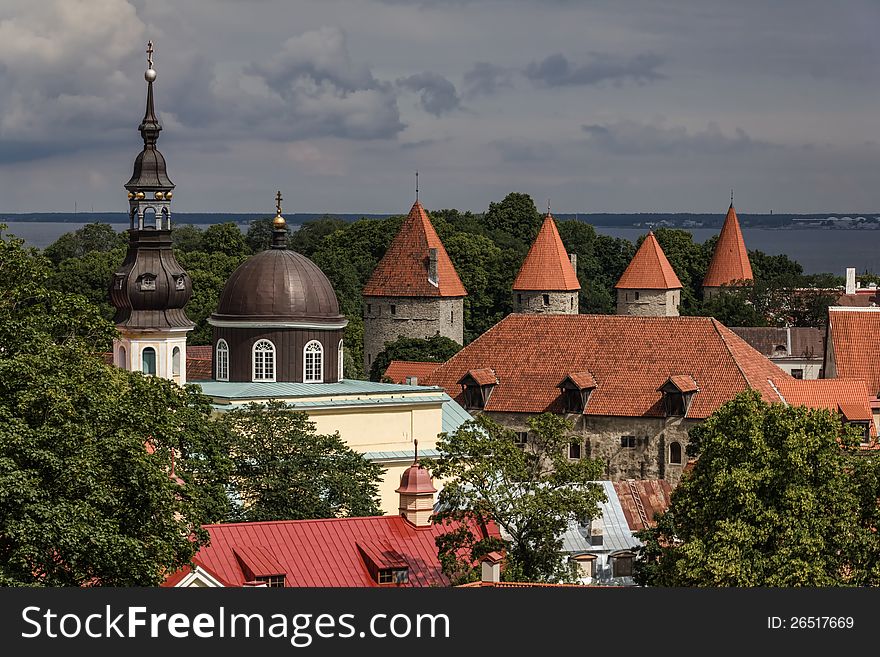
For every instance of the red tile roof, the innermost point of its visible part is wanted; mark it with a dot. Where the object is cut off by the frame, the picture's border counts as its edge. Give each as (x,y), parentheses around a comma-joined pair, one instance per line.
(325,553)
(730,261)
(403,270)
(853,336)
(649,269)
(629,358)
(482,377)
(583,380)
(849,396)
(399,370)
(654,496)
(684,382)
(547,265)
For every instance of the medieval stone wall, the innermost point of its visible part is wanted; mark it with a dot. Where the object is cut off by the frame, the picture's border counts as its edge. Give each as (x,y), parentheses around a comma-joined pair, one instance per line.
(648,458)
(533,302)
(650,303)
(389,318)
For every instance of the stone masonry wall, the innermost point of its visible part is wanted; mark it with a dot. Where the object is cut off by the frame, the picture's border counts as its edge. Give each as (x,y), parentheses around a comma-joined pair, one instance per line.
(601,436)
(651,303)
(412,318)
(560,303)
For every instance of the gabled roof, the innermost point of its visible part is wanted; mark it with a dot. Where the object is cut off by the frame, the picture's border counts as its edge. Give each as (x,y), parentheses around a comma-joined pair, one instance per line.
(484,376)
(326,553)
(649,269)
(400,370)
(547,266)
(682,382)
(580,380)
(730,261)
(403,270)
(853,338)
(629,358)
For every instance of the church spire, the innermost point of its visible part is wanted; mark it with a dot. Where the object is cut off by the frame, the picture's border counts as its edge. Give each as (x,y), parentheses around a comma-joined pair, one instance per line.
(149,176)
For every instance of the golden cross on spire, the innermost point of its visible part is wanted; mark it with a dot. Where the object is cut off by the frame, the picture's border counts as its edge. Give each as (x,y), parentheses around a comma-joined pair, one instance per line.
(150,54)
(278,203)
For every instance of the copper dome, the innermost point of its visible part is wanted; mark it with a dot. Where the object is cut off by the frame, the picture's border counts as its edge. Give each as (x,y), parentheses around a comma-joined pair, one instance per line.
(415,480)
(279,286)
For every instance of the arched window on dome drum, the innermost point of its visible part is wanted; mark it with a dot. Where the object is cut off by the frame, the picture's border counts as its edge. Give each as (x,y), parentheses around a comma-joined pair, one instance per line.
(222,360)
(339,360)
(313,364)
(264,361)
(175,362)
(122,358)
(148,361)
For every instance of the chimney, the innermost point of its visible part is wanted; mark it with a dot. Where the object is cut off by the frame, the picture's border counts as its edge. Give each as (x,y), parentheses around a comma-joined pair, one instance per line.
(850,280)
(432,267)
(491,568)
(574,260)
(596,533)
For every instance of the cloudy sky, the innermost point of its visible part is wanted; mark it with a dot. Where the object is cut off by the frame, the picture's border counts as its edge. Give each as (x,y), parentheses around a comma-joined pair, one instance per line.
(599,105)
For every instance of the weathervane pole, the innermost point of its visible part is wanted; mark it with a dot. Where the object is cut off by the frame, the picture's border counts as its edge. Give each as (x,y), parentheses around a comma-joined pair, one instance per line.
(417,186)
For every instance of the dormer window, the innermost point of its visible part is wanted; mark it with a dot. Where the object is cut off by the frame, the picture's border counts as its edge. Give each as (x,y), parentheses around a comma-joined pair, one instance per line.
(272,581)
(393,576)
(478,386)
(576,388)
(678,392)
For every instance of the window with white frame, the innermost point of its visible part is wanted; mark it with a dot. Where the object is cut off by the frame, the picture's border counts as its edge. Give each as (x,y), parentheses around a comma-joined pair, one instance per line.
(148,361)
(222,360)
(264,361)
(339,359)
(313,362)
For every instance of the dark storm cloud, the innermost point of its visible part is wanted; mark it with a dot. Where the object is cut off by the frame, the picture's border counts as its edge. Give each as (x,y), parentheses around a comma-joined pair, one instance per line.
(485,79)
(557,71)
(437,94)
(632,138)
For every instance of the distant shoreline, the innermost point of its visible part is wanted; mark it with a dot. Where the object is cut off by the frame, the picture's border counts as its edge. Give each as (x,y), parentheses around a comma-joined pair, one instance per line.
(686,220)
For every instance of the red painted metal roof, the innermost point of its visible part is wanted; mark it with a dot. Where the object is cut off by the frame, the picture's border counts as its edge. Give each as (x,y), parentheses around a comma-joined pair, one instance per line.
(547,265)
(730,261)
(649,269)
(327,553)
(403,270)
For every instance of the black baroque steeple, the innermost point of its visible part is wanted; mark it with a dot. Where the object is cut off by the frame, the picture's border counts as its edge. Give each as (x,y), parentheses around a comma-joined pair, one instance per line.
(150,289)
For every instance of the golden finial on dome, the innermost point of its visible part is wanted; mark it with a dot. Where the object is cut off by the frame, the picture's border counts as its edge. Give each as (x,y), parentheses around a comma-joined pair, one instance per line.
(278,221)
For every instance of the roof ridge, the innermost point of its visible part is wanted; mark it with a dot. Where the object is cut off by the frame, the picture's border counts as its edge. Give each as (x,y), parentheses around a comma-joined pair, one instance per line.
(745,377)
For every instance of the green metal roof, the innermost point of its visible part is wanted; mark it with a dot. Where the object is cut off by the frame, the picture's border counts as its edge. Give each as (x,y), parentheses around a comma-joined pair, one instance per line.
(284,390)
(453,415)
(401,455)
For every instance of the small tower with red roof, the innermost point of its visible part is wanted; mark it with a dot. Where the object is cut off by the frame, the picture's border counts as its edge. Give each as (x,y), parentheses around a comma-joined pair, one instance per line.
(649,286)
(547,281)
(414,291)
(416,493)
(730,262)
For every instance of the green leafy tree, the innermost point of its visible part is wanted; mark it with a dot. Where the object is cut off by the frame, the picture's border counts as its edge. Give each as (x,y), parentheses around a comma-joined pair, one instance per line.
(89,275)
(83,501)
(733,306)
(480,266)
(308,237)
(772,501)
(225,238)
(436,349)
(91,237)
(259,235)
(285,470)
(514,218)
(187,238)
(690,261)
(531,493)
(209,273)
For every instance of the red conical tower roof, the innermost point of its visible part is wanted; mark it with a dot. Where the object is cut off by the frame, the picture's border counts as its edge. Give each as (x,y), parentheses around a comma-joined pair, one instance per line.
(547,266)
(649,269)
(403,270)
(730,262)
